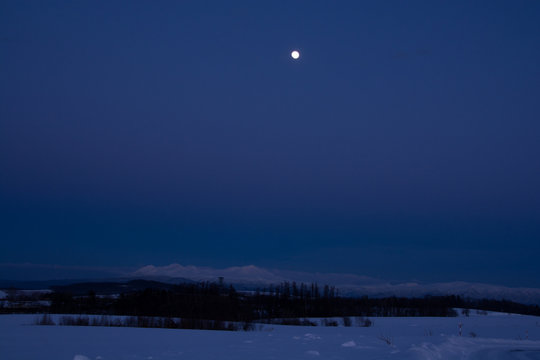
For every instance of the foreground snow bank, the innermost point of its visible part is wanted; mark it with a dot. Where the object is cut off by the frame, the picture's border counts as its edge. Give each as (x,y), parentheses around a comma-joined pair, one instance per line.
(496,337)
(463,348)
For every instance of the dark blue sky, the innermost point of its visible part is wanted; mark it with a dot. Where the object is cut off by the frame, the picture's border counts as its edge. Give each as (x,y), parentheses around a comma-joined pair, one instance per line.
(403,144)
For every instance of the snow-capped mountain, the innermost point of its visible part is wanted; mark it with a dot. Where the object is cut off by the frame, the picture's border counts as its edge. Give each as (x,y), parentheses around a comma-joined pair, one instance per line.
(348,284)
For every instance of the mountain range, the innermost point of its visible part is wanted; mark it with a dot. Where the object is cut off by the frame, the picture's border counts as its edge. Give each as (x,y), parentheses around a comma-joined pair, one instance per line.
(252,277)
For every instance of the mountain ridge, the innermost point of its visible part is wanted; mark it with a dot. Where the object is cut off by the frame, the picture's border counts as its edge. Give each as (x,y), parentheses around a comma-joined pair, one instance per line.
(348,284)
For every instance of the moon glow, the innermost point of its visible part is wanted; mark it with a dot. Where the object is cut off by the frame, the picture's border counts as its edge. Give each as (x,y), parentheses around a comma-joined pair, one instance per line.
(295,54)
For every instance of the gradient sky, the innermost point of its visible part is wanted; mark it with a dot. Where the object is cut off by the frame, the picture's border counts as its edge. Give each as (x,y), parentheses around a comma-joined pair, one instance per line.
(404,143)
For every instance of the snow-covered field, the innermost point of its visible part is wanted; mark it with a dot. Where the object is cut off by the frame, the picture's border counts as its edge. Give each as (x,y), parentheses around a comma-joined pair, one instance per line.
(498,336)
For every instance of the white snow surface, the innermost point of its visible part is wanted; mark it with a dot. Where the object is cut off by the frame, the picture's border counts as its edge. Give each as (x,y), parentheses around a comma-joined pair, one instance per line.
(497,337)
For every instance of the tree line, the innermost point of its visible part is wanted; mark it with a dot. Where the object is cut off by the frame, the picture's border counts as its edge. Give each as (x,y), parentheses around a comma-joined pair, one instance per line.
(218,301)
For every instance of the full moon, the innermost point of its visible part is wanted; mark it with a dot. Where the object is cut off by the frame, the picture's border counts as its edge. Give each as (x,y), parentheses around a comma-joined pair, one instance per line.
(295,54)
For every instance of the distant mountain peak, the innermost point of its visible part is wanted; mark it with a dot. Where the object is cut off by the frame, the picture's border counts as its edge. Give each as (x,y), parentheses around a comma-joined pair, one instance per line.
(248,273)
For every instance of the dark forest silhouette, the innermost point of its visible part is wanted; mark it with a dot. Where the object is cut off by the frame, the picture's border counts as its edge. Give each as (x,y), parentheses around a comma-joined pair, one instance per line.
(216,301)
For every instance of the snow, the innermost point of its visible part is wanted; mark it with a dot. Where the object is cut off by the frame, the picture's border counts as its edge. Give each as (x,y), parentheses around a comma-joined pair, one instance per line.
(498,336)
(80,357)
(249,273)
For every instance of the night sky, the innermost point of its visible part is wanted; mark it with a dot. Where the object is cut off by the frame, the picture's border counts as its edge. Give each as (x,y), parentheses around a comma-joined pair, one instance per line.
(403,144)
